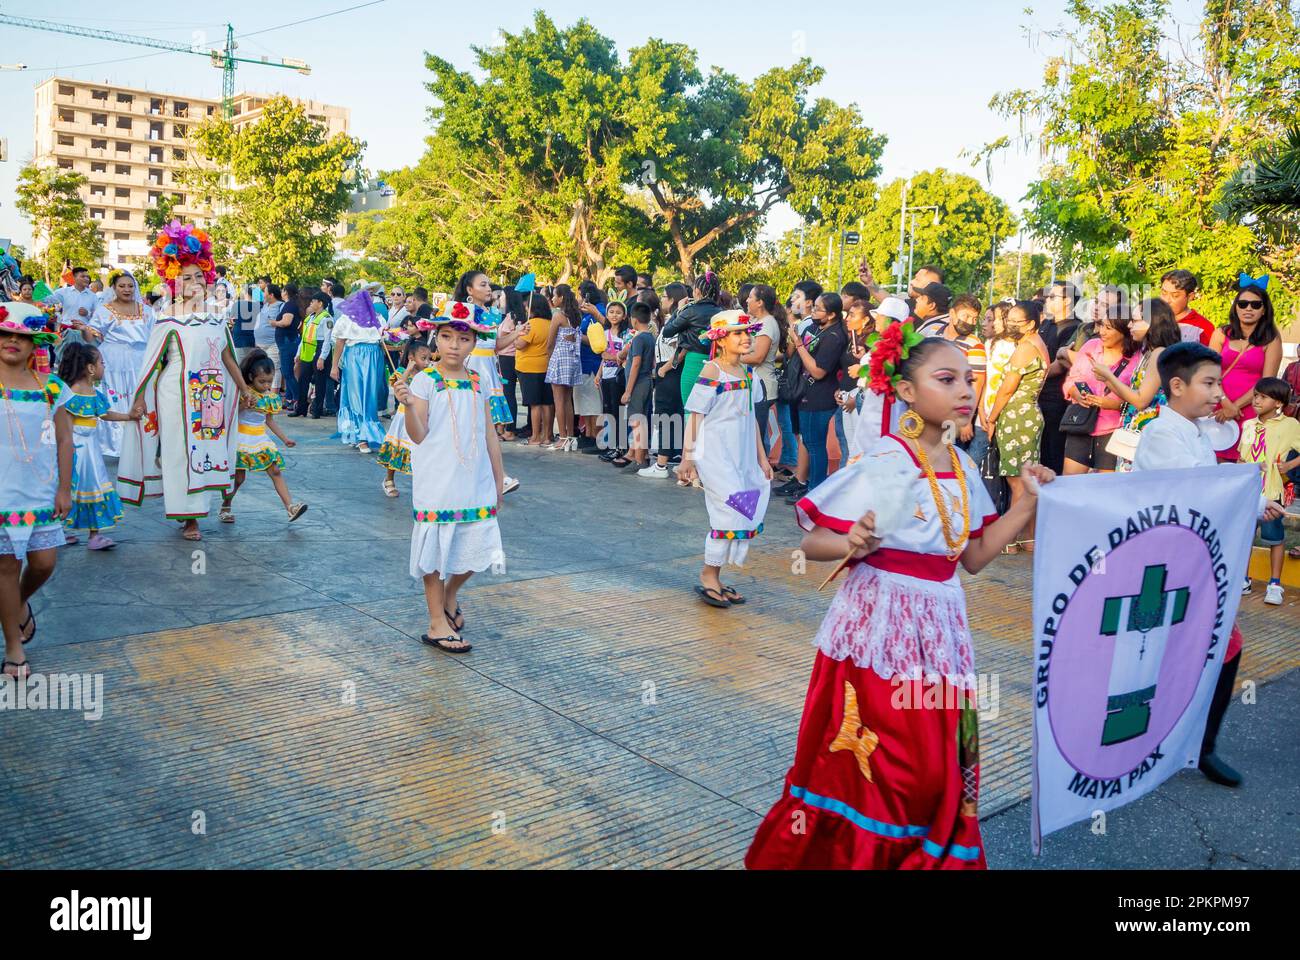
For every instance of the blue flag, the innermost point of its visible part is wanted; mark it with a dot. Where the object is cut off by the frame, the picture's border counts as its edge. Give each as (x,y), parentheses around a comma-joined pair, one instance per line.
(527,283)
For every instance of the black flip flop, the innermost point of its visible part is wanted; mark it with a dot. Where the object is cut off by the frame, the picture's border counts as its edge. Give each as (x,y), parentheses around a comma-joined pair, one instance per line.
(10,663)
(22,627)
(721,602)
(451,617)
(735,598)
(439,641)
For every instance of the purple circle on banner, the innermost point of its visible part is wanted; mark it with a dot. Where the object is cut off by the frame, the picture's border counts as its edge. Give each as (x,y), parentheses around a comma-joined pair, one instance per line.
(1090,733)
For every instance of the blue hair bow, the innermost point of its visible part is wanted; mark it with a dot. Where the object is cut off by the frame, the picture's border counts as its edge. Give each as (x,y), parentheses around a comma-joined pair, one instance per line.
(1246,280)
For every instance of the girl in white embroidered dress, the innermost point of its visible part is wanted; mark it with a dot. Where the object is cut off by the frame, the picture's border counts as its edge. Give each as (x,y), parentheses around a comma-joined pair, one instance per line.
(723,448)
(457,478)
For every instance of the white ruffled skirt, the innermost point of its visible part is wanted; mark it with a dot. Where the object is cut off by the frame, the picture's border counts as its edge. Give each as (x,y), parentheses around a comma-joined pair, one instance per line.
(451,548)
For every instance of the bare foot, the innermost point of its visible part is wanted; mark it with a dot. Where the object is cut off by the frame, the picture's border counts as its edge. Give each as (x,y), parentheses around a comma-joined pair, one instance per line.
(191,530)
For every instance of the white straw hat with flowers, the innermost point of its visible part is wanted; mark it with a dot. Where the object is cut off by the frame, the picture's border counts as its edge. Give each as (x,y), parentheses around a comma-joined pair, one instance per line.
(730,321)
(27,320)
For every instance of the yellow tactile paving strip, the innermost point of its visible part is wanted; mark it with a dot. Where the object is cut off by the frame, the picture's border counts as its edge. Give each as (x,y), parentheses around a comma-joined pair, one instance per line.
(604,719)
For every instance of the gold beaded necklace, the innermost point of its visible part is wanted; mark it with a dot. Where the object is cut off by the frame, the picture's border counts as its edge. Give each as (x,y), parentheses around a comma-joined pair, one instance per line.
(16,433)
(956,542)
(475,436)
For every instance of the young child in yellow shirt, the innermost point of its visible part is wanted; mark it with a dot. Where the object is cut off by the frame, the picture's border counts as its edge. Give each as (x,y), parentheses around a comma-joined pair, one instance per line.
(1272,440)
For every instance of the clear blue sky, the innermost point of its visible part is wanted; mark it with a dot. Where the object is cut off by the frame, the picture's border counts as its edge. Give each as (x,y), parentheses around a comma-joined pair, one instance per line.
(922,73)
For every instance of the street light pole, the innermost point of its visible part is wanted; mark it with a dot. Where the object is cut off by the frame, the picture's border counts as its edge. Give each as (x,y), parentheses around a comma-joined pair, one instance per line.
(1020,252)
(993,266)
(902,228)
(912,236)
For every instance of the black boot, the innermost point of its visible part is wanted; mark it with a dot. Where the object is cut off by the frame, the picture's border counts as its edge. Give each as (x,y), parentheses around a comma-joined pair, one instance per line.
(1219,772)
(1213,767)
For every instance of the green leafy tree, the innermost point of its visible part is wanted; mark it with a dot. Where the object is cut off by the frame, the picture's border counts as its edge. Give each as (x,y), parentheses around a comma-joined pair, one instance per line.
(279,187)
(970,220)
(716,156)
(558,156)
(1142,127)
(161,213)
(1034,271)
(62,230)
(797,255)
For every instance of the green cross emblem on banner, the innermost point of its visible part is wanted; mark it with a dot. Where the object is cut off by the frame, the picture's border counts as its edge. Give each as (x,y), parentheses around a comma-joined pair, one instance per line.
(1140,625)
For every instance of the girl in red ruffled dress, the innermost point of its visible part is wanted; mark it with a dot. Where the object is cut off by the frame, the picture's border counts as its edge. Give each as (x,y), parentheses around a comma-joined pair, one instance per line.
(886,770)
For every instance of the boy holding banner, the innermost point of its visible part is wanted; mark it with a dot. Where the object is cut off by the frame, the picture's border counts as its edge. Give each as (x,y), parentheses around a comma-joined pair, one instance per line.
(1192,377)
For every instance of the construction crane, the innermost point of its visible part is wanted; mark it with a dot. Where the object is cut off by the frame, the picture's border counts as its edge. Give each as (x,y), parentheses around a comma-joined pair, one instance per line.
(222,58)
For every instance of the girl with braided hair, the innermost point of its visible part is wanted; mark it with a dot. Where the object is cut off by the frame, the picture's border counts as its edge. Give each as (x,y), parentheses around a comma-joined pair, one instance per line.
(690,325)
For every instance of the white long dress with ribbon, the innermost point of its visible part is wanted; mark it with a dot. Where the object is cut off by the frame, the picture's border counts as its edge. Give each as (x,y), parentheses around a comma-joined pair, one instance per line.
(185,444)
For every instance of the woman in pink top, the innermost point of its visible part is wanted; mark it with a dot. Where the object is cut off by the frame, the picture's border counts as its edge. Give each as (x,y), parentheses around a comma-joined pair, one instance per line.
(1252,348)
(1117,350)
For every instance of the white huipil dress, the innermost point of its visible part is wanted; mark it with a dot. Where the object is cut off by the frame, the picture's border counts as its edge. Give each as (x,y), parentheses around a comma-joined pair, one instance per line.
(726,455)
(122,349)
(29,469)
(453,488)
(189,420)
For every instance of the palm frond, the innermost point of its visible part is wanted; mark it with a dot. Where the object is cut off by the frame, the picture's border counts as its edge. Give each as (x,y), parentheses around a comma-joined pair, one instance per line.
(1268,185)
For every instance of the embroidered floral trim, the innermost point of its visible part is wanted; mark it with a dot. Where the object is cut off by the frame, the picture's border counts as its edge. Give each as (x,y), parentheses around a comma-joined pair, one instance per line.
(395,455)
(723,386)
(83,405)
(27,518)
(262,459)
(100,512)
(442,383)
(48,395)
(468,515)
(735,534)
(268,403)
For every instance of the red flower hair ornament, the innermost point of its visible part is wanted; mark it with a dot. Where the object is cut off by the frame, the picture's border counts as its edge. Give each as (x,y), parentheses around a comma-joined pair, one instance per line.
(888,350)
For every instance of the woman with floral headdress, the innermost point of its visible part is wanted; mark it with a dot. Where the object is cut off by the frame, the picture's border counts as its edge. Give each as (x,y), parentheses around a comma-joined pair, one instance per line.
(886,769)
(122,323)
(35,475)
(187,390)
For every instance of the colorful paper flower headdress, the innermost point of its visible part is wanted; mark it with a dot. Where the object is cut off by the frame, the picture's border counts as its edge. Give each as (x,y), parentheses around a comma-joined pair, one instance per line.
(888,350)
(28,320)
(725,322)
(179,245)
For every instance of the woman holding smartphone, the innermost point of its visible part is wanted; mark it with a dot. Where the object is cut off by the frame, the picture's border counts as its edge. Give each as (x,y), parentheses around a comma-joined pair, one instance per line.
(1115,348)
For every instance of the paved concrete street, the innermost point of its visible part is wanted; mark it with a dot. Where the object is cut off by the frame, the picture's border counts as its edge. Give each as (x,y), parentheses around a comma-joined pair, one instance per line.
(267,703)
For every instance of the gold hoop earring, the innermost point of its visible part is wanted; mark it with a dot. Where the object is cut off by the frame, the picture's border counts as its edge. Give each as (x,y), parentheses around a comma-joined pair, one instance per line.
(911,425)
